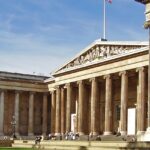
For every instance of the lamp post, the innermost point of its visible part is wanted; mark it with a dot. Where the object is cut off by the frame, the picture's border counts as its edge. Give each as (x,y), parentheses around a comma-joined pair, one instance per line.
(13,123)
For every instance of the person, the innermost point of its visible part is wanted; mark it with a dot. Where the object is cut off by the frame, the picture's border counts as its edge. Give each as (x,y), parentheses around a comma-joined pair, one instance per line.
(51,137)
(77,135)
(38,140)
(66,136)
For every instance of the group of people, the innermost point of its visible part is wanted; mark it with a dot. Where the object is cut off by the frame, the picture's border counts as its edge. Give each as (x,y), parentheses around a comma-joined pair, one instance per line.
(67,136)
(71,136)
(74,136)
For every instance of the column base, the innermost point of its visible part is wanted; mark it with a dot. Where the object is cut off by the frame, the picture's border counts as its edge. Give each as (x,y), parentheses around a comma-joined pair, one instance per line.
(81,133)
(145,137)
(148,130)
(140,132)
(57,134)
(94,133)
(123,133)
(107,133)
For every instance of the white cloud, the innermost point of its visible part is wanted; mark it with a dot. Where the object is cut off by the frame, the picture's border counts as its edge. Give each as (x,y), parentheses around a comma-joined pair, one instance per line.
(41,40)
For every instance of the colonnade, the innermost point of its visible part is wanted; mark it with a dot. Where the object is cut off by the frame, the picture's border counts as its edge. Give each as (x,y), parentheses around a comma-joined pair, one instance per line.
(16,112)
(61,119)
(76,98)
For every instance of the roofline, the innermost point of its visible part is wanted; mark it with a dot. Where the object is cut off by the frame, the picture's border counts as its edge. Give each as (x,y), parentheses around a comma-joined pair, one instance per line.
(49,80)
(16,73)
(21,76)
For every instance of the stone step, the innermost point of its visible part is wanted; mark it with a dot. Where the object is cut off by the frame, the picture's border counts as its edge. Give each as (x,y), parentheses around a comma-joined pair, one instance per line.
(85,145)
(62,147)
(22,145)
(66,143)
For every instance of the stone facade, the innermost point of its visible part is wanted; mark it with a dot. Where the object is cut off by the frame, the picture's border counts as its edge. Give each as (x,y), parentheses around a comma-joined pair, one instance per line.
(26,98)
(100,91)
(97,91)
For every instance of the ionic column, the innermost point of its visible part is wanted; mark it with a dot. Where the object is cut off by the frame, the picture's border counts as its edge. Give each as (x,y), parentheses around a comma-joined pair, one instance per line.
(63,111)
(16,111)
(108,105)
(53,111)
(68,109)
(141,101)
(94,107)
(31,115)
(1,112)
(58,125)
(124,100)
(44,123)
(81,118)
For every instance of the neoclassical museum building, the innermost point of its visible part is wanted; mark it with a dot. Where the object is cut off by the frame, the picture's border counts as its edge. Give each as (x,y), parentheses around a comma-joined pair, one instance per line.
(101,91)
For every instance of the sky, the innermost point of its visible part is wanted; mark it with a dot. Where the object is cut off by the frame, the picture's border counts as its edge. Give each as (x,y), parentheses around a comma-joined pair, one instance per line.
(38,36)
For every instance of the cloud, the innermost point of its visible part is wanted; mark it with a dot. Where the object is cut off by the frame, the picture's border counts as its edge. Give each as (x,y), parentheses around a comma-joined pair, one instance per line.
(38,64)
(40,35)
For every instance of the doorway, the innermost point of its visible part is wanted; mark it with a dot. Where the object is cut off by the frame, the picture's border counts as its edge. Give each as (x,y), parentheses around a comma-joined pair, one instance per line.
(131,124)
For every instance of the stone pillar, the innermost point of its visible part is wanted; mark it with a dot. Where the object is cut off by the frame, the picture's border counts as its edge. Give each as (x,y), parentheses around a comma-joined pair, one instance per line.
(141,101)
(63,111)
(68,109)
(124,100)
(16,111)
(94,107)
(58,125)
(44,121)
(81,118)
(1,112)
(31,115)
(108,105)
(53,111)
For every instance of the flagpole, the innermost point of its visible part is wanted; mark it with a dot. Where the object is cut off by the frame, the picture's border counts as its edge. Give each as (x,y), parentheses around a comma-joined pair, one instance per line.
(104,21)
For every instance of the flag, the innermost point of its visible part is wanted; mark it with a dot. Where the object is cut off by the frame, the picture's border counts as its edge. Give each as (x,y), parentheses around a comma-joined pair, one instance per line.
(109,1)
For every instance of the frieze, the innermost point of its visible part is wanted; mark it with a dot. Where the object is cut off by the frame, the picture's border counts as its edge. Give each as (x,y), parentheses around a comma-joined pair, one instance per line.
(100,52)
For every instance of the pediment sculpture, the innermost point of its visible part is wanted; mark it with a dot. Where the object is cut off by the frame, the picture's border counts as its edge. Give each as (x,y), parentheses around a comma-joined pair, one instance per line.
(100,52)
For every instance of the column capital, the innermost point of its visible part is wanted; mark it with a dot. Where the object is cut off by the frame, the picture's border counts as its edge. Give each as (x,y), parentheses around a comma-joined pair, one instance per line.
(80,82)
(52,92)
(32,92)
(93,79)
(123,73)
(68,84)
(108,76)
(57,87)
(140,69)
(18,91)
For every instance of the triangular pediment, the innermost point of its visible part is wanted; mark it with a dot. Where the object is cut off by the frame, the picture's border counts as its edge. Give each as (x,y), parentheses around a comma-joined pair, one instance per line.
(99,50)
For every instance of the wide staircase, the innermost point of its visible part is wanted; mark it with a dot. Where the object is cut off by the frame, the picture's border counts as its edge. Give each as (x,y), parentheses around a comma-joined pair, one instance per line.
(81,145)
